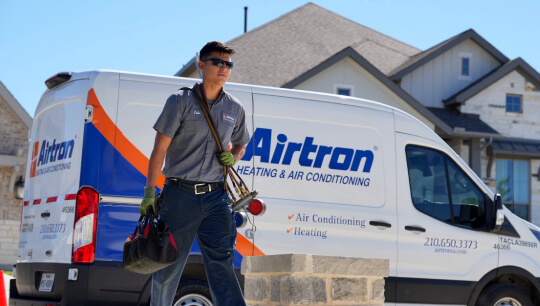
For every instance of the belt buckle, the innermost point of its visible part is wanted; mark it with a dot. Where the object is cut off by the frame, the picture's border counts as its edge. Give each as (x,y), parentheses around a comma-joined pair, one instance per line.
(200,185)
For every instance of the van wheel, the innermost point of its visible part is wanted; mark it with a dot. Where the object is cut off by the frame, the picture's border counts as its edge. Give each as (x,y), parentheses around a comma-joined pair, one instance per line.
(503,295)
(193,292)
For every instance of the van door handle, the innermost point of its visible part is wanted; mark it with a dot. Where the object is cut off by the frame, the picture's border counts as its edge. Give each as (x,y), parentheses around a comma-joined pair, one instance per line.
(45,215)
(379,223)
(415,228)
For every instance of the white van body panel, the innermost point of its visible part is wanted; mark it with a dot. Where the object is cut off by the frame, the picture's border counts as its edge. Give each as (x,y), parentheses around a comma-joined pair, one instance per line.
(309,214)
(522,252)
(141,99)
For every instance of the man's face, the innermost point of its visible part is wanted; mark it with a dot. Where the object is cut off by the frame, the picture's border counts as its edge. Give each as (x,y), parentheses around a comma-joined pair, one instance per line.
(213,74)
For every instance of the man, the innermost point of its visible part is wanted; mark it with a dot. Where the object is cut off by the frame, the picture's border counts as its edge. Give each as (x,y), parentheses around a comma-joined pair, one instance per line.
(195,203)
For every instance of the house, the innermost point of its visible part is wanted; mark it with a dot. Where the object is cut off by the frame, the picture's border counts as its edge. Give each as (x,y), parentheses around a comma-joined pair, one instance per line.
(14,126)
(483,104)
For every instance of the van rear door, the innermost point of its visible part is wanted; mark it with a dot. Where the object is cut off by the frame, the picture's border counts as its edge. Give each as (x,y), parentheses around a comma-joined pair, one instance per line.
(53,175)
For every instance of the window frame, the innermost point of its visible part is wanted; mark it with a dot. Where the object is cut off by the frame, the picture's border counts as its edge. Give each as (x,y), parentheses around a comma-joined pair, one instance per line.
(483,227)
(520,103)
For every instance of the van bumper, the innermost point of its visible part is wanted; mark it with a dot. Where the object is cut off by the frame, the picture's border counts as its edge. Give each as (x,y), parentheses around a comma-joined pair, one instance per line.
(100,283)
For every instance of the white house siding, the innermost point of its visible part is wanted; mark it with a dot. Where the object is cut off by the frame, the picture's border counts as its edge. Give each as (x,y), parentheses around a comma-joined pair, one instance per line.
(366,86)
(441,77)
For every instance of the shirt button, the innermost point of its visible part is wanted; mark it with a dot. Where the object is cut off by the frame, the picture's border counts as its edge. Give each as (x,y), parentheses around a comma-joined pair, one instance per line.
(202,170)
(206,154)
(209,138)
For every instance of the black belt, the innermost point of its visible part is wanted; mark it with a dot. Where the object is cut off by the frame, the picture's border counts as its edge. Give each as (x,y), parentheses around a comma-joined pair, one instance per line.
(195,187)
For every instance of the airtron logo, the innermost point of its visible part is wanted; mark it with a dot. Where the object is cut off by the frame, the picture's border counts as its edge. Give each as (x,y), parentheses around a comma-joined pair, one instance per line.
(50,152)
(311,155)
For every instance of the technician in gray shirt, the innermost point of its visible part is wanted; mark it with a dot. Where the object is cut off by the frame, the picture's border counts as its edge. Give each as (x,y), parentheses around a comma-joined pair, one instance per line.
(195,203)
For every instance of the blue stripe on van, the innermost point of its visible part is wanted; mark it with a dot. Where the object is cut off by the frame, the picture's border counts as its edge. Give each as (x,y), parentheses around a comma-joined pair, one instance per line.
(105,169)
(116,222)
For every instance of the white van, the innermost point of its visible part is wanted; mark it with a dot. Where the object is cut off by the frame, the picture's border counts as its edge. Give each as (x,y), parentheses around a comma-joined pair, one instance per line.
(340,175)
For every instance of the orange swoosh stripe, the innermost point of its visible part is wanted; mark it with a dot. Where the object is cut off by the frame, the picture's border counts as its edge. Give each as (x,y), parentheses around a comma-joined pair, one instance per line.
(110,131)
(246,248)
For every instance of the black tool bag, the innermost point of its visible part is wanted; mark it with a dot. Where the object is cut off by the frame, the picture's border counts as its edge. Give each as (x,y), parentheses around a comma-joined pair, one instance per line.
(151,247)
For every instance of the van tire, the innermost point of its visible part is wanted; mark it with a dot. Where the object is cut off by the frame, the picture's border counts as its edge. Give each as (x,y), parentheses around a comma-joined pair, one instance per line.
(193,292)
(497,294)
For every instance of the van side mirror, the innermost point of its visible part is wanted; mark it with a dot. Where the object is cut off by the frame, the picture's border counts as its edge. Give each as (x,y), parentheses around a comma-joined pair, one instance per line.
(499,214)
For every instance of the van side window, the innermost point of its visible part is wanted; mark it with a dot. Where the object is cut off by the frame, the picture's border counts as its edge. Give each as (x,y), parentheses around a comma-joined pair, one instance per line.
(439,188)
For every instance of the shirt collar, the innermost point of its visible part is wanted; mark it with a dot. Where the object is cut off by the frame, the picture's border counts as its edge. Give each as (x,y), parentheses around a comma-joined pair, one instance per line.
(220,96)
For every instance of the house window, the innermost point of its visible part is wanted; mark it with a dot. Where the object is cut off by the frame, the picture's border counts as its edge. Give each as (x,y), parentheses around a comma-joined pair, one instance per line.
(465,66)
(344,89)
(513,104)
(513,185)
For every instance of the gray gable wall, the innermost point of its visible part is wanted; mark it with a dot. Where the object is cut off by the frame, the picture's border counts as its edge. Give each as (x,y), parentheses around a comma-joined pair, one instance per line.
(422,58)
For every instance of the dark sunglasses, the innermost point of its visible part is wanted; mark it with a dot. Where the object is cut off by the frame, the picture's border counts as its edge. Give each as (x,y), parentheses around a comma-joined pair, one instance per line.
(219,62)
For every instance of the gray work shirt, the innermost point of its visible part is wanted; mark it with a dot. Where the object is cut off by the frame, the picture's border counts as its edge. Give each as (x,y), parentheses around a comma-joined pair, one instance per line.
(192,152)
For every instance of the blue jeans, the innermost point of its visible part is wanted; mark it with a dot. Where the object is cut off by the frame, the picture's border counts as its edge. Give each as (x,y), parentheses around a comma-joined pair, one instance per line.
(210,218)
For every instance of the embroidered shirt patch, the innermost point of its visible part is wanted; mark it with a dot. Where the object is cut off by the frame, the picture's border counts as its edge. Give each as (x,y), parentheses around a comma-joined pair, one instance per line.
(228,118)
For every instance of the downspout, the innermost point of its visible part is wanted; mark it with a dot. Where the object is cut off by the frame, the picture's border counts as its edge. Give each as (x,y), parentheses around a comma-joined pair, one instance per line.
(490,163)
(489,142)
(491,156)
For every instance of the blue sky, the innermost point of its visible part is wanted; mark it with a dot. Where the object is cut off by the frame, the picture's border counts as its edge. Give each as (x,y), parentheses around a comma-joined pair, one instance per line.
(41,38)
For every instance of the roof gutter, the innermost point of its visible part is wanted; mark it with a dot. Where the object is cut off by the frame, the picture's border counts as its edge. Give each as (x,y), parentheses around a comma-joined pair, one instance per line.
(459,132)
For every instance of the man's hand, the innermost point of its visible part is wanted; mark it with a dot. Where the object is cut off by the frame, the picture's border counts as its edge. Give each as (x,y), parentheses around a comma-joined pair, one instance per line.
(148,200)
(226,158)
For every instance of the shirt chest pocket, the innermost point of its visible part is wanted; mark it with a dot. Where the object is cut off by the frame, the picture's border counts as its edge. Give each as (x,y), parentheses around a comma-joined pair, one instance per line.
(194,121)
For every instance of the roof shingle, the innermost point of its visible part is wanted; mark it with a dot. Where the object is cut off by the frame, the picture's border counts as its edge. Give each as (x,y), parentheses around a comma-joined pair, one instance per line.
(277,52)
(468,122)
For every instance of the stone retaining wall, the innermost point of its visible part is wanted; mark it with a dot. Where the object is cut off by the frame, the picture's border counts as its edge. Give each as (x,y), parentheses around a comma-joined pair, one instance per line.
(293,279)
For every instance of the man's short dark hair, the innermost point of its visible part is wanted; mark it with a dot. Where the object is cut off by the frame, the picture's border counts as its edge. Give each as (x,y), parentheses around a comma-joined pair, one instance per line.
(214,46)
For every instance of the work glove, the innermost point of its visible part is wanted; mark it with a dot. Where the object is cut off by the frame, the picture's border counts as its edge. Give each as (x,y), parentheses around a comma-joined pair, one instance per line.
(226,158)
(148,200)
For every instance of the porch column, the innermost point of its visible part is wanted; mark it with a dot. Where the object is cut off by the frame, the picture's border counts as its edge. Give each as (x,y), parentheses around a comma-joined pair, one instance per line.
(475,156)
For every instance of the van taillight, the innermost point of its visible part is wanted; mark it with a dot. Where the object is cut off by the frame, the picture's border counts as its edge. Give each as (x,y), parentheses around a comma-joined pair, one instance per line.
(57,79)
(84,233)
